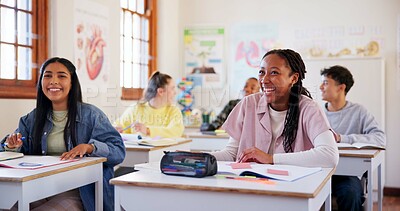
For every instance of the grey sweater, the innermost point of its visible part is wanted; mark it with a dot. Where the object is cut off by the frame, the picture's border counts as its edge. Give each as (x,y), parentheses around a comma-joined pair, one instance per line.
(355,124)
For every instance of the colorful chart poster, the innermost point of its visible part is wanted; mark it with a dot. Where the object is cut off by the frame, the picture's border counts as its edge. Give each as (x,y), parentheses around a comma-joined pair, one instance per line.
(204,56)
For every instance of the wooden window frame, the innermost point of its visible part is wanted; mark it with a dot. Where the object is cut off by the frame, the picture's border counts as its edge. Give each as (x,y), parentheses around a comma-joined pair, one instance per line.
(137,93)
(22,89)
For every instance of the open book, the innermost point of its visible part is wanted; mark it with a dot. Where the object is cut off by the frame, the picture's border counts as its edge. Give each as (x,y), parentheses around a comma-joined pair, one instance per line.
(10,155)
(358,146)
(157,142)
(34,162)
(278,172)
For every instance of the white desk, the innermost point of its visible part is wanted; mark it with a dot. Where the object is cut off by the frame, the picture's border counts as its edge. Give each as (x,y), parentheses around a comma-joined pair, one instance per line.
(26,186)
(356,162)
(136,154)
(203,142)
(153,190)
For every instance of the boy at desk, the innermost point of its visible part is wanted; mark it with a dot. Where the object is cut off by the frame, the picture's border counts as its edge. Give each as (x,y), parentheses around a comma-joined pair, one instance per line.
(61,124)
(155,115)
(352,123)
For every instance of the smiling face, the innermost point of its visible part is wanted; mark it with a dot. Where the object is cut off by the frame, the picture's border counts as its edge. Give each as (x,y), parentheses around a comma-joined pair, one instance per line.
(56,84)
(276,79)
(330,89)
(252,86)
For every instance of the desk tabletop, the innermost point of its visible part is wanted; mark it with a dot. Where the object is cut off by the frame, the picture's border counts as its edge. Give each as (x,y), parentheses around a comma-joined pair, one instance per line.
(149,175)
(23,175)
(360,153)
(137,147)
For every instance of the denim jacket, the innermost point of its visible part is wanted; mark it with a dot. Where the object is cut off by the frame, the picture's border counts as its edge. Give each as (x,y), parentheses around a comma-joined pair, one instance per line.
(93,127)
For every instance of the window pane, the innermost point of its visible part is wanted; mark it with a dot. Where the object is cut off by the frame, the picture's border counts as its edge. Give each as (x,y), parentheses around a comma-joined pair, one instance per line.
(128,49)
(136,26)
(24,28)
(145,29)
(127,75)
(124,3)
(24,63)
(145,53)
(7,61)
(140,6)
(121,48)
(10,3)
(132,5)
(7,22)
(128,24)
(136,76)
(25,4)
(144,79)
(136,51)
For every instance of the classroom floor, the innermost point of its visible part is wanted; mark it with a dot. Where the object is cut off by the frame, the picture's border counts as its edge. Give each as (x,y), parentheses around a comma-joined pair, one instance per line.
(390,203)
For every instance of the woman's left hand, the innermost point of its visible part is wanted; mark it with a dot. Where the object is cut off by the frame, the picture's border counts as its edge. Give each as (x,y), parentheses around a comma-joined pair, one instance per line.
(79,150)
(254,154)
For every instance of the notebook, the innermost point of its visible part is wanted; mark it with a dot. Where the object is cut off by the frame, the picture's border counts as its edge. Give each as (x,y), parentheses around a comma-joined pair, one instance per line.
(10,155)
(358,146)
(157,142)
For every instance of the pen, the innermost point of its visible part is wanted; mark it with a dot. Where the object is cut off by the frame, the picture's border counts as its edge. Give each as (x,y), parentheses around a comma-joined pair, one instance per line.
(5,144)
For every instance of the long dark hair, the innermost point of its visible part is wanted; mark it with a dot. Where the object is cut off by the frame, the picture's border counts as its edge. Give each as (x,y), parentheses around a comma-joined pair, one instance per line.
(296,65)
(157,80)
(44,106)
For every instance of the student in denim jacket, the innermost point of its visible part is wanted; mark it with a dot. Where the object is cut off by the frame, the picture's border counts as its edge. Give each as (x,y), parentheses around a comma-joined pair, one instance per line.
(68,127)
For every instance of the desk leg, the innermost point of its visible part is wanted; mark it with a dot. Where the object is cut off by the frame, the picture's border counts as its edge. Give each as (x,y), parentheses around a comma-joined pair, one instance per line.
(380,189)
(370,191)
(99,189)
(328,200)
(117,205)
(23,205)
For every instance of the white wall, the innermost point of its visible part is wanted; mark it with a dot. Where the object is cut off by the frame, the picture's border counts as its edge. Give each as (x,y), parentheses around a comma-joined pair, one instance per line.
(175,14)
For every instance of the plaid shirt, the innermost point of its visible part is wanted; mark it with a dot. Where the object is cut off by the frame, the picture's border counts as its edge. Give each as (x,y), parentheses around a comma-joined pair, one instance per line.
(220,119)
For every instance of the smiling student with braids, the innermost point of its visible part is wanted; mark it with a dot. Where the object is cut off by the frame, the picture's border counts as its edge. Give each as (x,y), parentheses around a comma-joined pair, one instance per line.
(281,124)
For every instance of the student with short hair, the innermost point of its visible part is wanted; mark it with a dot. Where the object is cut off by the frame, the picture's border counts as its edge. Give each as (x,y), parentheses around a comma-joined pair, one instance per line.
(352,123)
(156,114)
(61,124)
(281,124)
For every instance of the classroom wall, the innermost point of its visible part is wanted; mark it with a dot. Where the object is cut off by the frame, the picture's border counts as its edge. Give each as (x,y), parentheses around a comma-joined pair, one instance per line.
(173,15)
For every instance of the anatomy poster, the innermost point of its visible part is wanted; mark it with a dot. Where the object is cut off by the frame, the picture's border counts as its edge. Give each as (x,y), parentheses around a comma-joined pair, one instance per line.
(90,43)
(204,55)
(249,42)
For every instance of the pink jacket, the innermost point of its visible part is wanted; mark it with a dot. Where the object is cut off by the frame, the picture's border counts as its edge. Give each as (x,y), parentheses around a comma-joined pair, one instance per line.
(249,122)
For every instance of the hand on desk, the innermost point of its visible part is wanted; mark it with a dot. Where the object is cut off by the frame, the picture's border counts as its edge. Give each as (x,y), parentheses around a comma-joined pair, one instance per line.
(254,154)
(79,150)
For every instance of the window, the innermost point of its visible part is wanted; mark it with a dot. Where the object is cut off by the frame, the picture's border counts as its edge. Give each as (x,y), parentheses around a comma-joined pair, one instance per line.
(23,46)
(138,46)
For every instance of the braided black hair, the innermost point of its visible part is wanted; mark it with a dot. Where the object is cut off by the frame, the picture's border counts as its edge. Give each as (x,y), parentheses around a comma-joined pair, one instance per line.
(296,64)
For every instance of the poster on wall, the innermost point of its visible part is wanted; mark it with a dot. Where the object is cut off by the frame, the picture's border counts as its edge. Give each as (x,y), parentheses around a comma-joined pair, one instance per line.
(91,56)
(204,56)
(249,42)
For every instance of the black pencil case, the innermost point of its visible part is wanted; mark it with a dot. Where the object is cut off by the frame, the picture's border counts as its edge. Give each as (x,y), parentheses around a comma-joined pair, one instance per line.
(188,164)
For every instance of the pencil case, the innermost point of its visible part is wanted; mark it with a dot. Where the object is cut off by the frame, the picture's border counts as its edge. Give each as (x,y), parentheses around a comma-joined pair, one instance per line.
(188,164)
